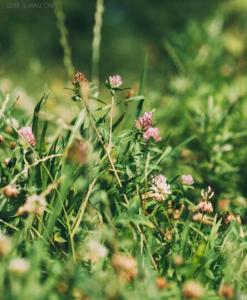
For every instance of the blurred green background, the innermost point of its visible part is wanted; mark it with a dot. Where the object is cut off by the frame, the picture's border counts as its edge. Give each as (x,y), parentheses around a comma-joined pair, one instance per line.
(31,53)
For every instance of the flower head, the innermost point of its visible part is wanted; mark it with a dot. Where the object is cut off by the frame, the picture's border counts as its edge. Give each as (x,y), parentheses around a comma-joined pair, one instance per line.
(125,265)
(114,81)
(152,132)
(231,217)
(161,283)
(18,266)
(205,207)
(145,122)
(96,251)
(192,290)
(35,204)
(160,188)
(10,191)
(187,179)
(28,136)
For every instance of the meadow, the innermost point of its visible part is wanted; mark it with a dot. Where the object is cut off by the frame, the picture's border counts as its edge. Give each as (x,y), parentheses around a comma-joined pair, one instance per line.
(128,183)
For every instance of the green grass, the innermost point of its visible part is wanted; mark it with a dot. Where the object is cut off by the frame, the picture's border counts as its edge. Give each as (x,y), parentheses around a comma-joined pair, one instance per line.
(103,234)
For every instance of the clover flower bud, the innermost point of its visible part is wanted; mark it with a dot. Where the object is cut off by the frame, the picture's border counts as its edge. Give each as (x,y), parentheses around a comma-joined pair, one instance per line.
(187,179)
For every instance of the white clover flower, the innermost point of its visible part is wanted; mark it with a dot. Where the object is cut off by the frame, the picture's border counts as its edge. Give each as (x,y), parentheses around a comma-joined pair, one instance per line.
(160,188)
(96,251)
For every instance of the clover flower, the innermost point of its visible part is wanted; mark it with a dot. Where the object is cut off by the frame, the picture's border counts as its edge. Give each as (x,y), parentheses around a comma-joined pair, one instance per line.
(10,191)
(28,136)
(145,122)
(160,188)
(19,266)
(5,245)
(231,217)
(125,265)
(35,204)
(192,290)
(161,283)
(187,179)
(152,132)
(114,81)
(96,251)
(205,207)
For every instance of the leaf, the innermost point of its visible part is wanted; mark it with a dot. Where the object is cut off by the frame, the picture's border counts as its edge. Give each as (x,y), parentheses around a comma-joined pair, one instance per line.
(142,85)
(117,123)
(135,98)
(36,114)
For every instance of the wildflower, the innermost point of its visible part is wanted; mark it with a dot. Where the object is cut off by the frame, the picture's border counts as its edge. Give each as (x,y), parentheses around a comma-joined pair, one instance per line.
(5,245)
(125,265)
(226,291)
(187,179)
(34,204)
(231,217)
(161,283)
(205,207)
(96,251)
(192,290)
(10,191)
(114,81)
(160,188)
(145,122)
(79,78)
(27,134)
(19,266)
(152,132)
